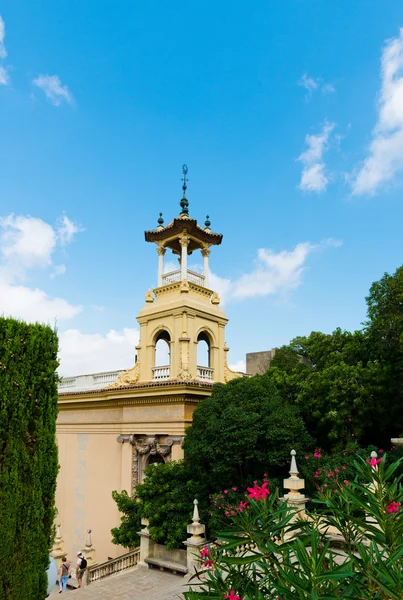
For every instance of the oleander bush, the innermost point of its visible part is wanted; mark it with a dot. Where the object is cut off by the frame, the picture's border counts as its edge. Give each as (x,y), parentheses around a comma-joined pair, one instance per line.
(268,552)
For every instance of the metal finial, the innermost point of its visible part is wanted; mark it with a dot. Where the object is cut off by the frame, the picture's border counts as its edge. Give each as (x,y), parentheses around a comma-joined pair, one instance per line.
(160,220)
(207,222)
(184,204)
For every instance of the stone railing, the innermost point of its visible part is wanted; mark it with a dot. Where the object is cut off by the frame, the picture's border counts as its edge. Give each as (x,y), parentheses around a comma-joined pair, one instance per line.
(204,374)
(175,276)
(111,567)
(161,373)
(88,382)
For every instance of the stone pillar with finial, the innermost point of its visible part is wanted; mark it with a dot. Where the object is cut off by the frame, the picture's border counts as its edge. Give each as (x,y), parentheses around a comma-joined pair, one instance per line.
(196,541)
(294,484)
(88,550)
(58,547)
(146,544)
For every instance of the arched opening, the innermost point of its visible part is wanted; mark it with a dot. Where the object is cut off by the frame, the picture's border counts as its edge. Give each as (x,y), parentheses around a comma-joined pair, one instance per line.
(204,371)
(162,359)
(155,459)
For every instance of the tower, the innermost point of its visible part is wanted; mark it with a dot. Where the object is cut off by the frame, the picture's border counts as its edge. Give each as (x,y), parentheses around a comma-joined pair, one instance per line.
(182,313)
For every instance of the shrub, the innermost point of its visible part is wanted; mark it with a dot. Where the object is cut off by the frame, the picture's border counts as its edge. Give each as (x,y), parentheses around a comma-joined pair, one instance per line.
(268,552)
(28,457)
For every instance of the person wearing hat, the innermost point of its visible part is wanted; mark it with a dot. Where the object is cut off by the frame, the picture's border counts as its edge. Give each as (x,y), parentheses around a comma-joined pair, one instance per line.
(80,568)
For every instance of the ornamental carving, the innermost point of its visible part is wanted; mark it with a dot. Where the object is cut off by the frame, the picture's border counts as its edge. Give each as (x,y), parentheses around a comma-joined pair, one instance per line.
(143,449)
(127,377)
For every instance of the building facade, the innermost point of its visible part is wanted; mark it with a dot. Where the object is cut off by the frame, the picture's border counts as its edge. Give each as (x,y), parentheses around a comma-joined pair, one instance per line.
(111,426)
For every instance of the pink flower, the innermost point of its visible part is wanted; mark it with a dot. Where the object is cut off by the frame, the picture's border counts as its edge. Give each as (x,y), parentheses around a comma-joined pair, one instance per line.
(226,513)
(393,507)
(234,489)
(337,471)
(205,552)
(208,563)
(225,491)
(258,492)
(329,475)
(346,482)
(242,505)
(316,475)
(325,485)
(232,596)
(265,475)
(344,468)
(374,461)
(317,454)
(381,451)
(307,457)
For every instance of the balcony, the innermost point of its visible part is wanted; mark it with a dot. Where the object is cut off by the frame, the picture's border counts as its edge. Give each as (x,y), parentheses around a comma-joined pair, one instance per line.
(162,373)
(204,374)
(175,276)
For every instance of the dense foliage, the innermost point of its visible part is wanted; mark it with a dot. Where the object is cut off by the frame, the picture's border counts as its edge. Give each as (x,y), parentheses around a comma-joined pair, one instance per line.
(349,386)
(165,498)
(268,552)
(245,427)
(28,457)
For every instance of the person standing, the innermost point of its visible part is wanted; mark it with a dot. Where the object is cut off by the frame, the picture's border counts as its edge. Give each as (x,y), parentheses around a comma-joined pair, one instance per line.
(80,568)
(64,573)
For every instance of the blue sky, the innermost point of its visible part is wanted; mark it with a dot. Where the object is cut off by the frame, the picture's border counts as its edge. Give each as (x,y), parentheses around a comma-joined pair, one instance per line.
(289,116)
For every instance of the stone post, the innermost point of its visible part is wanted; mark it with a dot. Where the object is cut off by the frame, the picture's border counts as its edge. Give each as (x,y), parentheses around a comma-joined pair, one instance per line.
(294,484)
(195,542)
(146,544)
(88,551)
(57,550)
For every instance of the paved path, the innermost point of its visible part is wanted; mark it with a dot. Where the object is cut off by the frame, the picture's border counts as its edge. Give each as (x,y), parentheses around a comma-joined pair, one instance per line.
(136,584)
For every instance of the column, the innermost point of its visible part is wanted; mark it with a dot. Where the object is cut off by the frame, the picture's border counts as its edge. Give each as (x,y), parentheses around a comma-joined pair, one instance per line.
(161,251)
(126,462)
(205,252)
(184,242)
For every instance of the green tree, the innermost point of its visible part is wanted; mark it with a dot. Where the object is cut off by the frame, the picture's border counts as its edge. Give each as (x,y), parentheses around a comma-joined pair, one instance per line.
(165,498)
(28,457)
(243,430)
(384,329)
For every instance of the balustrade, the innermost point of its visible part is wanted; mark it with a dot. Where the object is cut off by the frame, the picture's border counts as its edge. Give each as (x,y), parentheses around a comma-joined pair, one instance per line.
(116,565)
(161,373)
(175,276)
(204,374)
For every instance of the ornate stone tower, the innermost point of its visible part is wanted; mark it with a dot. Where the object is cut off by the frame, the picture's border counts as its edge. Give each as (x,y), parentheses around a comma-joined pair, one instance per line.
(182,313)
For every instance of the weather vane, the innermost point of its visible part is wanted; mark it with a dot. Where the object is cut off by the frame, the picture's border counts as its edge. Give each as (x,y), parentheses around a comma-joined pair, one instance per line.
(184,179)
(184,202)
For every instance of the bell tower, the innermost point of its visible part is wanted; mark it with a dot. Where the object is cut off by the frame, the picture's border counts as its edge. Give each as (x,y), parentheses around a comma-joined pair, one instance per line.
(182,314)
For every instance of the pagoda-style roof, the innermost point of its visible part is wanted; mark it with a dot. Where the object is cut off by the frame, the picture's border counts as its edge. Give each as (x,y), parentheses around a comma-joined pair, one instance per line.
(199,237)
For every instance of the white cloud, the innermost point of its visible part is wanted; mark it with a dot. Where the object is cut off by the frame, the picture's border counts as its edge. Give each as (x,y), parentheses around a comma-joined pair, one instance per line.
(239,366)
(82,353)
(33,305)
(385,156)
(58,270)
(273,273)
(25,243)
(28,243)
(4,77)
(314,177)
(3,52)
(67,230)
(312,84)
(54,90)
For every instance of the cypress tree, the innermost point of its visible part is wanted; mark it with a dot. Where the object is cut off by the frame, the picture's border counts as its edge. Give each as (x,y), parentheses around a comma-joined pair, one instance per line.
(28,457)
